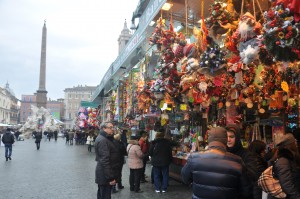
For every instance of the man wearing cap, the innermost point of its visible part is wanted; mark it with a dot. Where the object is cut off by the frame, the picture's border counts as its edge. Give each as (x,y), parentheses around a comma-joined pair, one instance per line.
(216,173)
(107,157)
(287,167)
(8,139)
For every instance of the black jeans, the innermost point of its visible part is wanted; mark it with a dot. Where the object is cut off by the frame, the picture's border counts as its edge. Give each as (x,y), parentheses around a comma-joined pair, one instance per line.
(104,192)
(145,159)
(135,179)
(38,145)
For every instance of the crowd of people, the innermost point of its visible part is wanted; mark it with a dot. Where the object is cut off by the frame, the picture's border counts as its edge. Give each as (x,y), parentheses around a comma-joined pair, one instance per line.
(226,170)
(110,150)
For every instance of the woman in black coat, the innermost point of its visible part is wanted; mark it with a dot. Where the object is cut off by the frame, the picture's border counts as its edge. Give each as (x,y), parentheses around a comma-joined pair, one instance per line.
(287,167)
(258,148)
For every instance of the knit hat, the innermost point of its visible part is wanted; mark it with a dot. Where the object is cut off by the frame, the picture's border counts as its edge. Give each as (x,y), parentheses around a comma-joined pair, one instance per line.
(285,140)
(217,134)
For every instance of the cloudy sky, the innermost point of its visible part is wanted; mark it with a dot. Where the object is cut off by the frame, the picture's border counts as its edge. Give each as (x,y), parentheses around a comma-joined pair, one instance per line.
(81,42)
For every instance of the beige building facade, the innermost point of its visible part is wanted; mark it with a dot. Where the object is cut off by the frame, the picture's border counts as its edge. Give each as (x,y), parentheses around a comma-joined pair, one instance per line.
(9,106)
(73,97)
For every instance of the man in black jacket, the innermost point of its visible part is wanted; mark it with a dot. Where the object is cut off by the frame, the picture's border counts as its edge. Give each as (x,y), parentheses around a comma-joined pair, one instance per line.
(216,173)
(161,157)
(107,157)
(8,139)
(38,138)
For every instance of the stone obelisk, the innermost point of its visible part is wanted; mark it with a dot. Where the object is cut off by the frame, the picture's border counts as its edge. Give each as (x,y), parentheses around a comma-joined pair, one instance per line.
(41,96)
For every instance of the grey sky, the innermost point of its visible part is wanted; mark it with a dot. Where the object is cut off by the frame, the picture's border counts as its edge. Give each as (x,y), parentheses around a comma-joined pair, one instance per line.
(81,42)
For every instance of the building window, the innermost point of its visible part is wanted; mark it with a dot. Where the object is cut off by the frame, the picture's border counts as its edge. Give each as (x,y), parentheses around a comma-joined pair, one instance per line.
(69,115)
(70,96)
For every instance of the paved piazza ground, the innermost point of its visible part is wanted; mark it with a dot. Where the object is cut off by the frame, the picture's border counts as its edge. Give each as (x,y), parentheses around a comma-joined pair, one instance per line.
(60,171)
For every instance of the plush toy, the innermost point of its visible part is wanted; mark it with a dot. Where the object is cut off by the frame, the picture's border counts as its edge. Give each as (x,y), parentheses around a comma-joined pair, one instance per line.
(246,36)
(249,54)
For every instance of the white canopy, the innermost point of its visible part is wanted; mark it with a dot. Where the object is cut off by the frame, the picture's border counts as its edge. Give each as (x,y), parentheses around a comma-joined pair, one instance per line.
(1,124)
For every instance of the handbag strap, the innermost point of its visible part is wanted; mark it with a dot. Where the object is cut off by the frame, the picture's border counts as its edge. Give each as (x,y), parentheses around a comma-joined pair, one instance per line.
(129,148)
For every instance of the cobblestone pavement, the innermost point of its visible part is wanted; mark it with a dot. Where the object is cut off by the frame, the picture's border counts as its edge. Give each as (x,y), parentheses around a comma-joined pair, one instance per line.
(60,171)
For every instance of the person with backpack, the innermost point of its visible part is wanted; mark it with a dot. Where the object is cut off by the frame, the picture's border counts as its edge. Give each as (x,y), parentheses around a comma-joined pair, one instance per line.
(8,139)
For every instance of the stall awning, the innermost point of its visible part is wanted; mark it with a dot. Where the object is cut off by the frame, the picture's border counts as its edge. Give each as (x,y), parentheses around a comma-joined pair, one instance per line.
(88,104)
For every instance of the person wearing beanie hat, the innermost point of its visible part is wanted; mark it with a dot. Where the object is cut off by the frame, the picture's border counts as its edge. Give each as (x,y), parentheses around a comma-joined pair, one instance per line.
(217,134)
(286,140)
(287,167)
(216,173)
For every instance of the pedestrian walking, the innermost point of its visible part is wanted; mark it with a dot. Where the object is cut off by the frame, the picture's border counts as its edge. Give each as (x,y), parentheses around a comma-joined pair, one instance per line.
(8,139)
(135,164)
(55,135)
(216,173)
(38,138)
(67,137)
(71,136)
(287,167)
(17,134)
(122,151)
(46,135)
(50,134)
(144,144)
(161,157)
(107,157)
(90,142)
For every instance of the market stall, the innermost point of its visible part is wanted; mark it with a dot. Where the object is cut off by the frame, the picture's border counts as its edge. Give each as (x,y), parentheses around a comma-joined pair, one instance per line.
(239,64)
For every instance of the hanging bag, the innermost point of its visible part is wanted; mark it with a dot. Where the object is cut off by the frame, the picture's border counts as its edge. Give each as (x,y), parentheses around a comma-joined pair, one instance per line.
(269,184)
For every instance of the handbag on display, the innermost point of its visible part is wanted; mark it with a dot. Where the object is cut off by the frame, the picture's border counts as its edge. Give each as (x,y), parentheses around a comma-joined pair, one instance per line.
(269,184)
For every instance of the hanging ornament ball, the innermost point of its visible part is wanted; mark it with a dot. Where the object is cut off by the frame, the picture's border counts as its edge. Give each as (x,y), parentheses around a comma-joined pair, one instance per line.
(292,102)
(261,110)
(220,105)
(250,105)
(227,104)
(247,100)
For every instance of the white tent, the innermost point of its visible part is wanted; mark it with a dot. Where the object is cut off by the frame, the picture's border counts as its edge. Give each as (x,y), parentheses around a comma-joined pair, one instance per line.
(1,124)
